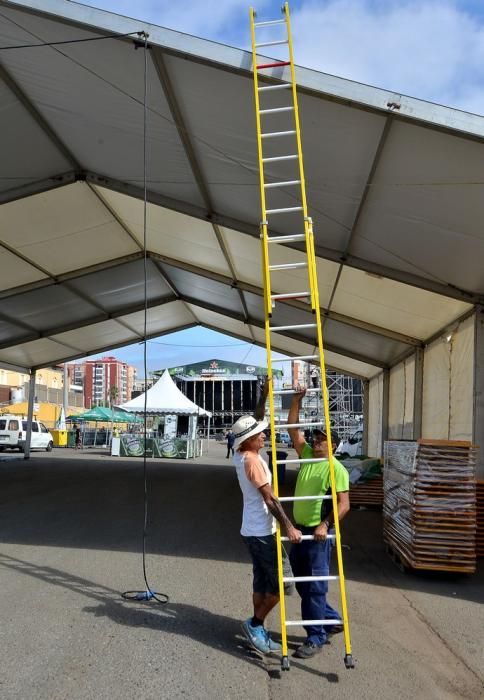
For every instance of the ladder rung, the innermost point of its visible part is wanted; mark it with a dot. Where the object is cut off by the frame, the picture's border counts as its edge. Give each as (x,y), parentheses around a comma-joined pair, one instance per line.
(300,461)
(271,43)
(288,239)
(305,498)
(295,326)
(283,183)
(273,65)
(296,357)
(312,622)
(273,159)
(280,86)
(273,134)
(300,579)
(276,110)
(309,537)
(286,426)
(292,295)
(269,22)
(288,266)
(284,210)
(295,391)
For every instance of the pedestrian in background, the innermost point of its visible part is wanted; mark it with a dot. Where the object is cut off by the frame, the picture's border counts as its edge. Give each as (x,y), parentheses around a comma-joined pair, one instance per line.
(230,443)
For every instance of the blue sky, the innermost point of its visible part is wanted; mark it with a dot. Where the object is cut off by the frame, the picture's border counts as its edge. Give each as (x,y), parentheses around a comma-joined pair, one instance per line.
(191,345)
(430,49)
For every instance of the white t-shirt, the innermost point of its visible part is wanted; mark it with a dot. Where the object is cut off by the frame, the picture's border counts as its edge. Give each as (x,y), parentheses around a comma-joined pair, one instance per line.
(252,473)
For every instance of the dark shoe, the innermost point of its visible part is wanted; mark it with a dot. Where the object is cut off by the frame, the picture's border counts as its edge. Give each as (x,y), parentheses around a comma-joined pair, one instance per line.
(334,629)
(307,650)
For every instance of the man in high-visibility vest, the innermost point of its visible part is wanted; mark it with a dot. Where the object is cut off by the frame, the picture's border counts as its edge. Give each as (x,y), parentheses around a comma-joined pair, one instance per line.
(312,557)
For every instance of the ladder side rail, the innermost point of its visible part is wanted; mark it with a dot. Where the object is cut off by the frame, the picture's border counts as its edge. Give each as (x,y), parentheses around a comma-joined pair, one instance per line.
(302,178)
(261,164)
(344,609)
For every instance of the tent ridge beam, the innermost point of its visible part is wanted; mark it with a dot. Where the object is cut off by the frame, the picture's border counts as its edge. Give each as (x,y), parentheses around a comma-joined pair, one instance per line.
(38,118)
(447,290)
(276,348)
(252,289)
(294,336)
(196,168)
(39,186)
(101,318)
(361,206)
(106,348)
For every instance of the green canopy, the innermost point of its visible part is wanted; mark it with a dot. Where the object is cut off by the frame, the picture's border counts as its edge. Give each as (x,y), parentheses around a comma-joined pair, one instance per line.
(100,414)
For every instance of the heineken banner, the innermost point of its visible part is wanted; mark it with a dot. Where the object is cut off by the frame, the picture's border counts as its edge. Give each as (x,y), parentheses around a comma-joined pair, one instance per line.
(169,448)
(219,368)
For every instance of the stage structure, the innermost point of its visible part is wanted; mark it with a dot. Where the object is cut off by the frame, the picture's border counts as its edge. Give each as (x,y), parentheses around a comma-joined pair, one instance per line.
(226,389)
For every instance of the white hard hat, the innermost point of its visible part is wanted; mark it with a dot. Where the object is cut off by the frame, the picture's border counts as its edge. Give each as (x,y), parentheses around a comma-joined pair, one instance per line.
(246,427)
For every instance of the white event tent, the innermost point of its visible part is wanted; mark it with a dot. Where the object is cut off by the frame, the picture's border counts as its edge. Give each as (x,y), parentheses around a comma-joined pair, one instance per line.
(394,187)
(164,398)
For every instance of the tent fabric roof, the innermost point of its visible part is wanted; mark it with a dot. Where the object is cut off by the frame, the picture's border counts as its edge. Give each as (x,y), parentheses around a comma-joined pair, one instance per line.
(99,414)
(164,397)
(394,188)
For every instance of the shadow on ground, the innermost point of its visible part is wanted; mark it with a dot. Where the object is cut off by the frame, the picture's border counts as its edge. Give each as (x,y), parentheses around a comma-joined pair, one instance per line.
(194,511)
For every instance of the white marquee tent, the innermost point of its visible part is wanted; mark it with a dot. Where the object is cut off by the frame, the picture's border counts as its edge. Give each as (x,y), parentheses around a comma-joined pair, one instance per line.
(394,187)
(164,397)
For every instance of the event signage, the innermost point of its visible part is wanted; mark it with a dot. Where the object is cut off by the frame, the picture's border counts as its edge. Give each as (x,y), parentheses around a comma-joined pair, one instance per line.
(219,368)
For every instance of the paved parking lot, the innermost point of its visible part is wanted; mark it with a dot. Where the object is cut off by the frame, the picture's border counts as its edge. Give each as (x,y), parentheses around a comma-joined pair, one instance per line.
(70,543)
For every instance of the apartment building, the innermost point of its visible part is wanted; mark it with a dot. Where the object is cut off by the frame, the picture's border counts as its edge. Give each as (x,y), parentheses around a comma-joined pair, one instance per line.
(103,379)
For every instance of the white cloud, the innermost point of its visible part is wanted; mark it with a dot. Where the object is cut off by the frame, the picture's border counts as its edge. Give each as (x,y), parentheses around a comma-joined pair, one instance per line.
(431,49)
(221,20)
(427,49)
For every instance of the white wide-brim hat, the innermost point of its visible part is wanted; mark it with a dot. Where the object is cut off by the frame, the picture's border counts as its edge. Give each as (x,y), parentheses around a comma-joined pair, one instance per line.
(246,427)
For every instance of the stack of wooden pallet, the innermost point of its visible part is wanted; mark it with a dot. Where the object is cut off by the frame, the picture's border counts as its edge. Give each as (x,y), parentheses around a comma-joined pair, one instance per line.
(480,519)
(368,493)
(429,507)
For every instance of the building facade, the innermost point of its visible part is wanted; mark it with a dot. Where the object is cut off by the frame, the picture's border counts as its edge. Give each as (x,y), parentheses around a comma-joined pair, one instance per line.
(105,380)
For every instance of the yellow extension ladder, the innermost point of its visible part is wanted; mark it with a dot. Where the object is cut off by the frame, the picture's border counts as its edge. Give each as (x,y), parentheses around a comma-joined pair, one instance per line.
(292,134)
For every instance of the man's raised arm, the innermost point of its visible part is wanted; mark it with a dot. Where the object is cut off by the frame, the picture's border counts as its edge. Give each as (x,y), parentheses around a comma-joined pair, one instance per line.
(296,436)
(260,409)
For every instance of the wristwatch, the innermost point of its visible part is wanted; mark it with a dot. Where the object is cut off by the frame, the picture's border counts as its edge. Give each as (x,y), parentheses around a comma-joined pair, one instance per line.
(326,522)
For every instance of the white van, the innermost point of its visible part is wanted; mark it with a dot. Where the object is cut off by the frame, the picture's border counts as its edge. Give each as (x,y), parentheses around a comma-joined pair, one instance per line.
(13,434)
(352,447)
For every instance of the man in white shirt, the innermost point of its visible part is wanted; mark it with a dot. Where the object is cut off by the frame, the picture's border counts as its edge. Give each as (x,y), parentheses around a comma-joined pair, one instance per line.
(258,526)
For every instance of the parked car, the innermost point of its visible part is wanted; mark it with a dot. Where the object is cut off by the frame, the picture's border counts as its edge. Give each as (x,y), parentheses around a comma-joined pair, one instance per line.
(351,447)
(13,434)
(284,438)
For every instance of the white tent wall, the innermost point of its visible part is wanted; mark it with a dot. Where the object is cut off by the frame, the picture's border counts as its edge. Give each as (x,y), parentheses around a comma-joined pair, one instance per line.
(478,413)
(401,400)
(375,415)
(448,384)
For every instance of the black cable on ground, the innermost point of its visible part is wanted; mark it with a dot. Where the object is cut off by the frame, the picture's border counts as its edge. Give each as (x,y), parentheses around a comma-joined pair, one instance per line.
(148,594)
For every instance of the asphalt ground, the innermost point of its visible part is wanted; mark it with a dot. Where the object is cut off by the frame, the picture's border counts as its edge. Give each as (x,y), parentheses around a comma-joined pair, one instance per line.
(70,544)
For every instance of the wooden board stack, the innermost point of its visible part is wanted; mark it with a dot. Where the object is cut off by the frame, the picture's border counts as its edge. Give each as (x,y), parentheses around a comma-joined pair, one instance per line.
(429,506)
(480,519)
(369,493)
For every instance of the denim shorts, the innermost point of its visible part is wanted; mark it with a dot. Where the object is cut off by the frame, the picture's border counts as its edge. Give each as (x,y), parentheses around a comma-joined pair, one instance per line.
(263,552)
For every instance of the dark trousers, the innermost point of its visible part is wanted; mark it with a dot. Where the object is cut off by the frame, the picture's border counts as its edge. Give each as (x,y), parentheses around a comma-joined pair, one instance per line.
(310,558)
(229,449)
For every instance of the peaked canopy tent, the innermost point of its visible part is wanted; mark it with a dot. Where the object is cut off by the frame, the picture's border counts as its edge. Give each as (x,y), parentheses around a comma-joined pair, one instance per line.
(394,187)
(164,397)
